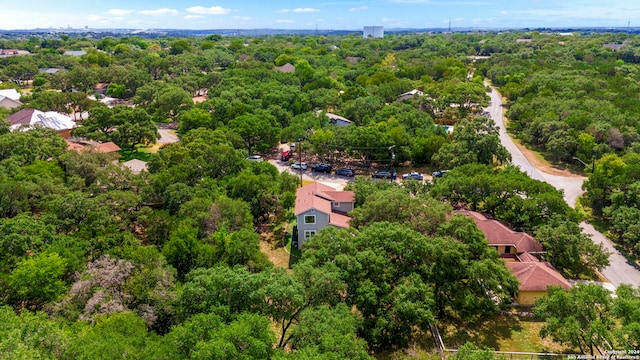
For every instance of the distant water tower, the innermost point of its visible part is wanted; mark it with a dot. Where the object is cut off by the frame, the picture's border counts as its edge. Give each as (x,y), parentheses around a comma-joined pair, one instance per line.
(373,32)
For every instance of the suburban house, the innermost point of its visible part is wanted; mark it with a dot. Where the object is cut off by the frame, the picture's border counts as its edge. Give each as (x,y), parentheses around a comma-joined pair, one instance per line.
(30,118)
(517,250)
(9,98)
(409,95)
(506,241)
(82,145)
(338,120)
(136,166)
(286,68)
(319,206)
(101,88)
(535,277)
(12,52)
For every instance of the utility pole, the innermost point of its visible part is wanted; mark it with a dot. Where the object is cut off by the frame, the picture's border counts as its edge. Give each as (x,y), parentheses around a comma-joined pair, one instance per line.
(393,157)
(299,145)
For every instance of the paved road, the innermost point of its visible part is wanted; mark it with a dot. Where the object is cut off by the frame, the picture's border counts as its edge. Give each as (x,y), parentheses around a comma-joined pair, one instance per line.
(167,136)
(619,271)
(337,182)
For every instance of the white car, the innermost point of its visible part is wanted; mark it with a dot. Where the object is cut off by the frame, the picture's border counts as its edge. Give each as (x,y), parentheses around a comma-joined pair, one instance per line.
(254,158)
(299,166)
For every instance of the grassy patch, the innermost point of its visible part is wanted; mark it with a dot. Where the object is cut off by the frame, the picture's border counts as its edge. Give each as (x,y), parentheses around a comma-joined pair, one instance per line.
(501,333)
(126,155)
(279,256)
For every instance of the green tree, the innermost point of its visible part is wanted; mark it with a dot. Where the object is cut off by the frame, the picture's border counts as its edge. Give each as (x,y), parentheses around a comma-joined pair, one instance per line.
(257,132)
(193,119)
(475,140)
(329,333)
(38,280)
(114,337)
(580,318)
(626,307)
(569,249)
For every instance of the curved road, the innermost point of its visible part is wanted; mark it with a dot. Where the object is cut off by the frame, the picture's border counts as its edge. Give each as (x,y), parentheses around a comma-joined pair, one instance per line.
(619,271)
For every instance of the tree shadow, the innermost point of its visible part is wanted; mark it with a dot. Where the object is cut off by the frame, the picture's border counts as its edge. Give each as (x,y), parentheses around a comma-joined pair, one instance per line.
(485,332)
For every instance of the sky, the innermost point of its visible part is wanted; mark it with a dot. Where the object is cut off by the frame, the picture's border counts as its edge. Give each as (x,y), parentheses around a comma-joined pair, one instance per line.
(327,15)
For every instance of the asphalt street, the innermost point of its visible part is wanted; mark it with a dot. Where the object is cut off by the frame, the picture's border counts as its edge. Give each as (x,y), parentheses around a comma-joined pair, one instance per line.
(620,271)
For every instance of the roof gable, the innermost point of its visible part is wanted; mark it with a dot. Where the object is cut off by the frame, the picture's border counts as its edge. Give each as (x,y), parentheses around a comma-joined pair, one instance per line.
(49,119)
(12,94)
(499,234)
(537,276)
(22,117)
(317,196)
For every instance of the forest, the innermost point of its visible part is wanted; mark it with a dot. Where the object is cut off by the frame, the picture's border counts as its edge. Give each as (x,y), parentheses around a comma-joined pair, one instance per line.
(99,262)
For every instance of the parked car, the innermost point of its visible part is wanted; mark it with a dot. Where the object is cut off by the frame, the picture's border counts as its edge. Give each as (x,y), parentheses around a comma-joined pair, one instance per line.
(325,168)
(286,155)
(383,174)
(345,172)
(254,158)
(299,165)
(412,175)
(439,173)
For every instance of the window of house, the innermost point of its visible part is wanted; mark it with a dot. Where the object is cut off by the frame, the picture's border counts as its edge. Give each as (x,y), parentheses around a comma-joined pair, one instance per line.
(507,249)
(336,204)
(309,219)
(309,233)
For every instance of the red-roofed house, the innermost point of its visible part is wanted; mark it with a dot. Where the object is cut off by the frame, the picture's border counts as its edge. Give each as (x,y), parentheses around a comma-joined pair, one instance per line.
(516,248)
(88,145)
(505,240)
(534,278)
(319,206)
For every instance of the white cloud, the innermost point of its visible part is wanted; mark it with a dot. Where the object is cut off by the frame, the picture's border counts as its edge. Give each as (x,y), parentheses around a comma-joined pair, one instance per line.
(188,17)
(305,10)
(97,19)
(361,8)
(285,21)
(157,12)
(214,10)
(282,11)
(120,12)
(245,18)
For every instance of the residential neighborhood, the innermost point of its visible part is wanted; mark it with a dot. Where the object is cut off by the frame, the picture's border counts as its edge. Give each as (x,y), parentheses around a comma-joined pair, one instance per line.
(350,195)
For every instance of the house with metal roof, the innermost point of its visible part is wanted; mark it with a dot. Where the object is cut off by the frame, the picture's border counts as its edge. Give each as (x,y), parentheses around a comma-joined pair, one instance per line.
(338,120)
(26,119)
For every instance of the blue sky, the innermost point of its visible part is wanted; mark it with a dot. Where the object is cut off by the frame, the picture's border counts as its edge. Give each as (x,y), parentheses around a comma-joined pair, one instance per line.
(330,14)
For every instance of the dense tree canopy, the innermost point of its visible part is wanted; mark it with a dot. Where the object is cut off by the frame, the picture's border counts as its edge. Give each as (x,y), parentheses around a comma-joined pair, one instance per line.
(98,262)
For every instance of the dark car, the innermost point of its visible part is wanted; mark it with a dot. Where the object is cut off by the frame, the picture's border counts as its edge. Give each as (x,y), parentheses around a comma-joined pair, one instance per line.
(439,173)
(325,168)
(382,174)
(345,172)
(412,175)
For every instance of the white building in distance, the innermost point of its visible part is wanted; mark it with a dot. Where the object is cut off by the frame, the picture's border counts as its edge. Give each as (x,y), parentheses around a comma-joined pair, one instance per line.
(373,32)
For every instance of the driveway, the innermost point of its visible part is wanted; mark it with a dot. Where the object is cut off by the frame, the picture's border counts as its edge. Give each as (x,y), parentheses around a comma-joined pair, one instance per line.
(619,271)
